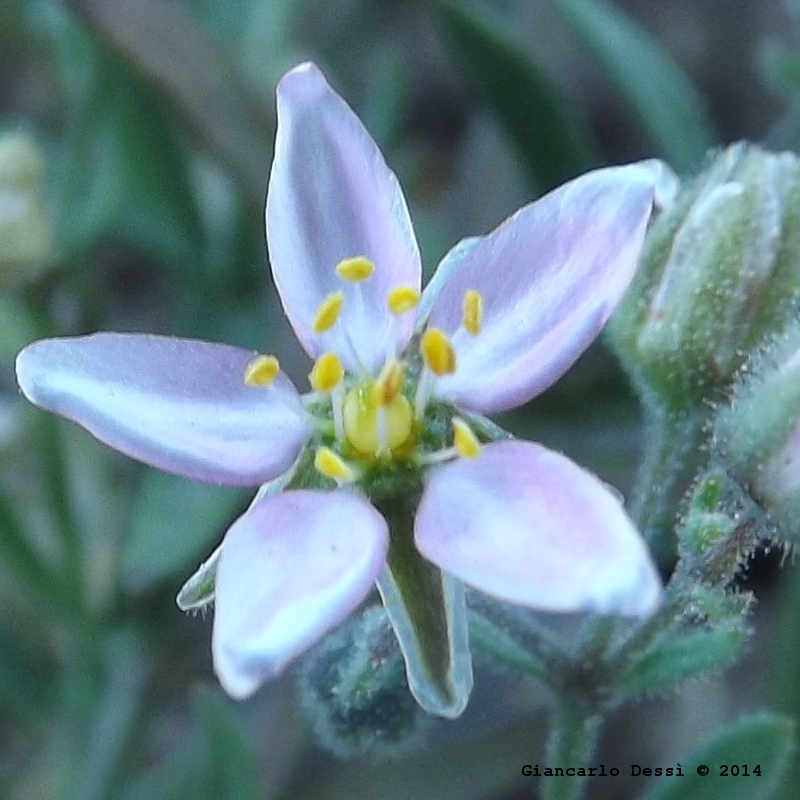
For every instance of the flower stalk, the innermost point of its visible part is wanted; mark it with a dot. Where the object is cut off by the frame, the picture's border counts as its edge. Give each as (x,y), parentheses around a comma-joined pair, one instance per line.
(673,444)
(571,742)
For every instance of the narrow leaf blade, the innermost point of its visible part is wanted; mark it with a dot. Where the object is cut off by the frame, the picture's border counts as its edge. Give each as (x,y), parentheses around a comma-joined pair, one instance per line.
(764,740)
(671,662)
(665,103)
(552,144)
(165,46)
(174,522)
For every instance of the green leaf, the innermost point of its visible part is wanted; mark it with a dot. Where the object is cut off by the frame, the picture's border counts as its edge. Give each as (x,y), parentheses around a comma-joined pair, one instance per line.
(214,762)
(665,103)
(123,169)
(783,676)
(428,614)
(174,523)
(672,661)
(229,767)
(545,131)
(100,756)
(488,638)
(190,69)
(764,740)
(781,66)
(27,687)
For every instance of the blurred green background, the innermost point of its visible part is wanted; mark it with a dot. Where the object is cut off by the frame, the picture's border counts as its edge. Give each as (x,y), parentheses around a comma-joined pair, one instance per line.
(135,144)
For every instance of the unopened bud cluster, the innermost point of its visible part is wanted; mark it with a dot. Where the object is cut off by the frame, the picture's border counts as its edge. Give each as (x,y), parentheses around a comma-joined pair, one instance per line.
(721,269)
(355,691)
(757,437)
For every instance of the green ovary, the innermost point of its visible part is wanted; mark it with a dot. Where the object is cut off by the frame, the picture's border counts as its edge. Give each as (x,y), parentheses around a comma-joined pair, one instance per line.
(361,418)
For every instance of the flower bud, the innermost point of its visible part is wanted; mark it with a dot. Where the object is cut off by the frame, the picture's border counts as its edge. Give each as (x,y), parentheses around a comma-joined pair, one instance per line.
(25,235)
(757,437)
(355,690)
(720,269)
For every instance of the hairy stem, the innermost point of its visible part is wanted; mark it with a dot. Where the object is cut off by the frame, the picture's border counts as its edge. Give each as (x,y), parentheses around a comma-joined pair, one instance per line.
(674,441)
(571,744)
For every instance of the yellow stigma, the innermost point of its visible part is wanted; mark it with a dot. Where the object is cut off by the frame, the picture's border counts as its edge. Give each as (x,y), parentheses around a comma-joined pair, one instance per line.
(327,373)
(261,371)
(328,312)
(362,420)
(402,299)
(472,311)
(437,352)
(355,269)
(333,466)
(464,440)
(389,384)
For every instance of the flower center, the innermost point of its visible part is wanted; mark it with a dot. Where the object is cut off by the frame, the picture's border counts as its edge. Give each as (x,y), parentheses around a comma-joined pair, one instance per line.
(379,419)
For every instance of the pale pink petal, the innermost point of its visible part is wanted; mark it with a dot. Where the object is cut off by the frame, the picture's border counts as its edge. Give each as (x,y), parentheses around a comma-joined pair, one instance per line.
(550,276)
(292,567)
(176,404)
(529,526)
(331,196)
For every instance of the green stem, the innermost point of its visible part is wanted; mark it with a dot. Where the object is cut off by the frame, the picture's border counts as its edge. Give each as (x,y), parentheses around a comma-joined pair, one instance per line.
(717,569)
(51,446)
(512,639)
(646,633)
(49,436)
(673,442)
(571,743)
(19,559)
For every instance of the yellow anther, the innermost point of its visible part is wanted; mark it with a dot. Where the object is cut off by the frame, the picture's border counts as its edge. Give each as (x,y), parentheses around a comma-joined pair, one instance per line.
(402,299)
(473,311)
(333,466)
(261,371)
(355,269)
(327,373)
(371,428)
(465,441)
(437,352)
(389,383)
(328,312)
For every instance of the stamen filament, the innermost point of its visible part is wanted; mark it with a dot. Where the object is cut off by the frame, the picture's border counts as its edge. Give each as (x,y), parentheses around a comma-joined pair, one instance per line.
(261,371)
(337,406)
(422,394)
(437,457)
(328,312)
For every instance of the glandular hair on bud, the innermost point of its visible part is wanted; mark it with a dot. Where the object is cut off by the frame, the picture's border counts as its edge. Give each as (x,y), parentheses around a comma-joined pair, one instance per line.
(756,437)
(354,689)
(720,270)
